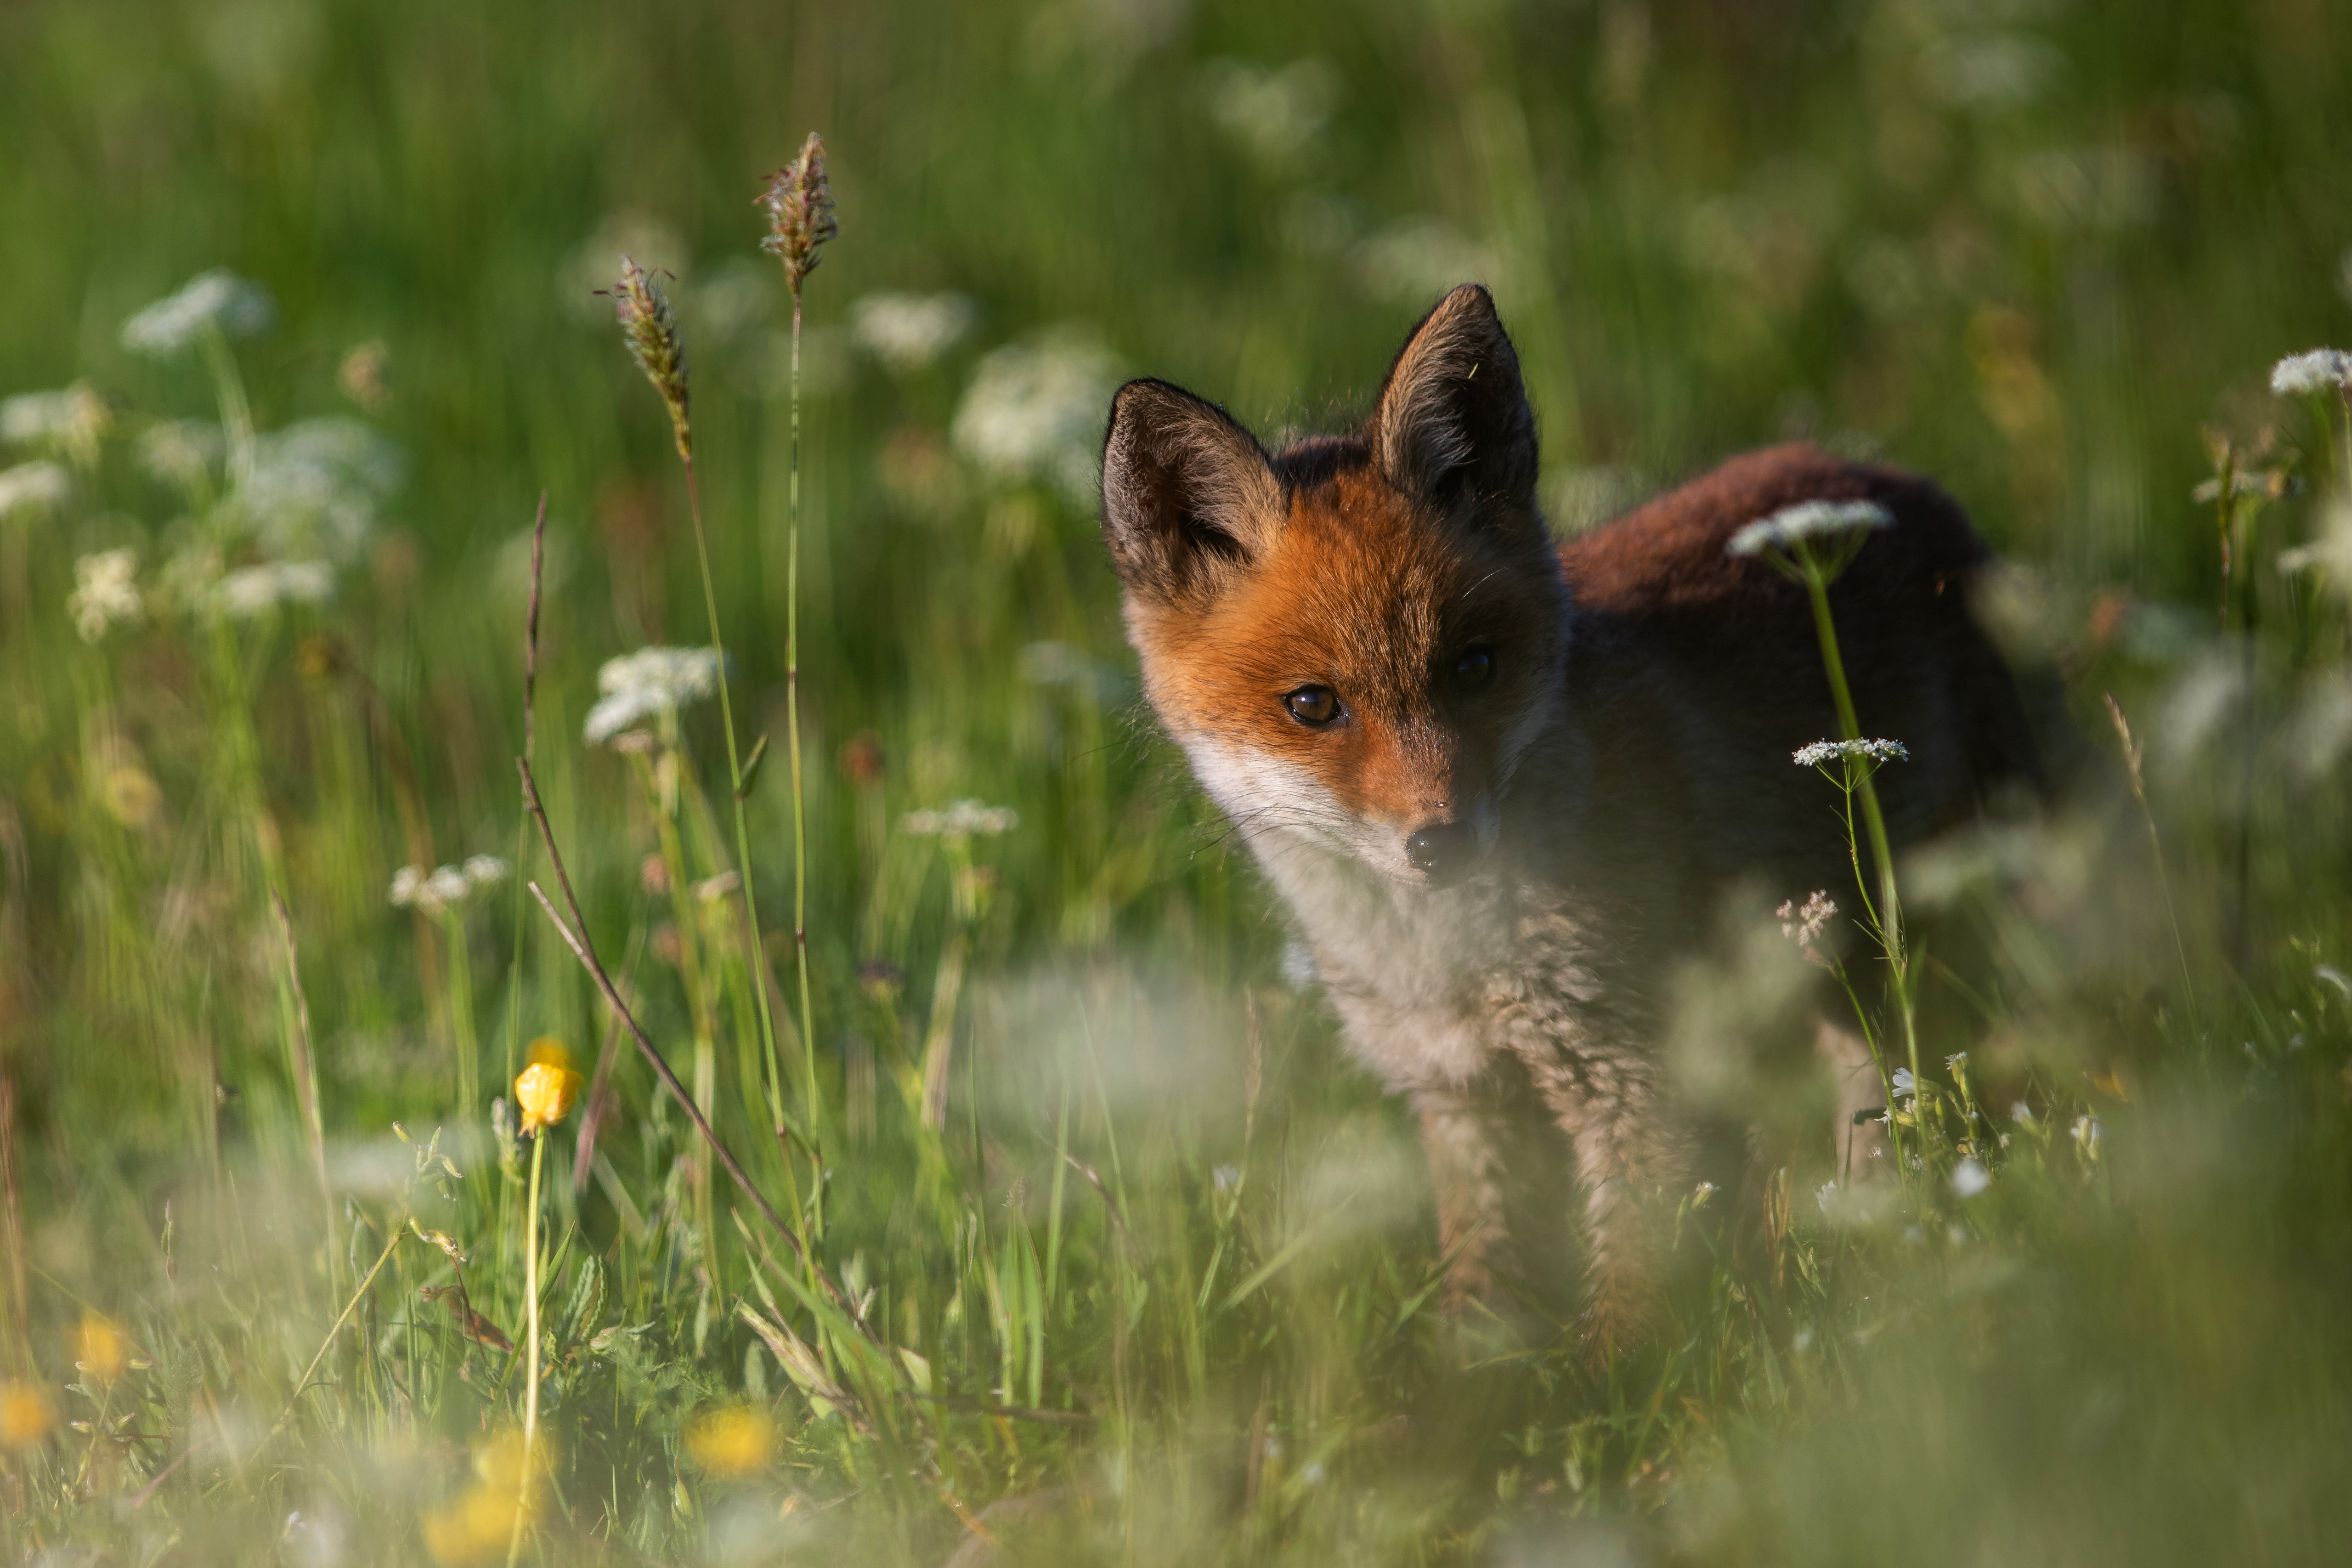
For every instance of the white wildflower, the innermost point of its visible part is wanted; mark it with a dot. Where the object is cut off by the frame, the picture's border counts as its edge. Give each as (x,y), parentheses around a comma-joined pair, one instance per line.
(1825,1195)
(1820,753)
(2312,374)
(38,486)
(316,488)
(2086,1135)
(961,819)
(646,684)
(1804,926)
(182,452)
(1904,1082)
(1702,1193)
(106,593)
(1034,412)
(1969,1178)
(2021,1113)
(69,422)
(1419,258)
(484,871)
(1226,1177)
(251,591)
(710,890)
(1807,520)
(907,332)
(1273,114)
(1957,1062)
(445,887)
(237,307)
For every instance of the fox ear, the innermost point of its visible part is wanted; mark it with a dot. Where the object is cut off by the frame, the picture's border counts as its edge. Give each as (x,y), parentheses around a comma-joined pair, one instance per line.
(1187,493)
(1453,422)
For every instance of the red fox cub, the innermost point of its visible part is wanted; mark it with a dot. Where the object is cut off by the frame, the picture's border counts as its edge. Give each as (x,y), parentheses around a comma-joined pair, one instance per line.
(1501,782)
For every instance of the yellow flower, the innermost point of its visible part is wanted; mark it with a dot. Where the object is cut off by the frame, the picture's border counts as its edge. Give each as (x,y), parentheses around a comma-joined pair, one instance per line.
(478,1525)
(98,1348)
(734,1441)
(546,1088)
(25,1415)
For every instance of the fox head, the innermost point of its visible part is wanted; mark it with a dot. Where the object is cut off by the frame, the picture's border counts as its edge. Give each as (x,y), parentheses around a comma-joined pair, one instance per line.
(1356,640)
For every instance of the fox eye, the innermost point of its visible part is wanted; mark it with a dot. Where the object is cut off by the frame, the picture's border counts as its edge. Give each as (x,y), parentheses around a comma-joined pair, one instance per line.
(1313,705)
(1475,671)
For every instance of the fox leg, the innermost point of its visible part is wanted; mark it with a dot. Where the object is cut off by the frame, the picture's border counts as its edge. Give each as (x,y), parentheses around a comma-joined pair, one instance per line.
(1463,1137)
(1629,1149)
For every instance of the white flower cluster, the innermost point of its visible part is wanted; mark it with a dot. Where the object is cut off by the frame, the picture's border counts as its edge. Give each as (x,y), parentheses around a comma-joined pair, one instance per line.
(647,683)
(237,307)
(1969,1177)
(36,486)
(961,819)
(69,422)
(106,593)
(445,887)
(182,452)
(1035,411)
(315,488)
(907,332)
(252,591)
(1794,525)
(1820,753)
(1276,115)
(1804,926)
(1420,257)
(2312,374)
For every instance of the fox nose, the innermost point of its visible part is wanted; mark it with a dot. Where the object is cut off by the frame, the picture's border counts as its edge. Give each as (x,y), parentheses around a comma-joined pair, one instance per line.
(1440,851)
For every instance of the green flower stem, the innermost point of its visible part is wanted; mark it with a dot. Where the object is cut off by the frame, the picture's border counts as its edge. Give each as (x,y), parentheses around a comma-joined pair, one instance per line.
(531,1387)
(1889,913)
(799,797)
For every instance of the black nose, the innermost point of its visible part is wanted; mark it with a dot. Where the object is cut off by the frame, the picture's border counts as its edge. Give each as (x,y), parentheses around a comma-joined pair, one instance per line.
(1441,849)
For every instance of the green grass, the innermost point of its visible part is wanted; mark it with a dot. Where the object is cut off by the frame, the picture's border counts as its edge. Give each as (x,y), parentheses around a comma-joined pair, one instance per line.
(2033,250)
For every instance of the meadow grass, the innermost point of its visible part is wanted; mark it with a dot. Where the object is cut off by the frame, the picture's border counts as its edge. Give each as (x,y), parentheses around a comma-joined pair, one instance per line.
(1066,1233)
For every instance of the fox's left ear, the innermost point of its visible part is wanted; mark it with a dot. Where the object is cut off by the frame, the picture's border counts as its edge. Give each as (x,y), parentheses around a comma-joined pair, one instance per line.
(1453,423)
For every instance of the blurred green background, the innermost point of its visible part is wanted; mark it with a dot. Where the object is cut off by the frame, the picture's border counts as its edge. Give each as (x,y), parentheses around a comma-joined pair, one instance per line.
(2030,246)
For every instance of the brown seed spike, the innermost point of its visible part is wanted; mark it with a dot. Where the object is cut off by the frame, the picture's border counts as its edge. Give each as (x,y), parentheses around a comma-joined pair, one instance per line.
(799,199)
(649,326)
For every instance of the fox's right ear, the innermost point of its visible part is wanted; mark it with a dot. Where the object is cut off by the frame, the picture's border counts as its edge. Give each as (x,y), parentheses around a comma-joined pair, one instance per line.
(1188,494)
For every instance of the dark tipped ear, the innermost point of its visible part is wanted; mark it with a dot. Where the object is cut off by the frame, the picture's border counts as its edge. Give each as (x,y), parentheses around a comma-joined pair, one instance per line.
(1187,494)
(1453,422)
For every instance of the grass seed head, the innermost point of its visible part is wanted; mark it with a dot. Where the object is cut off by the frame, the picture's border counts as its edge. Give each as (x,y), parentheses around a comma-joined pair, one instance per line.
(649,326)
(799,200)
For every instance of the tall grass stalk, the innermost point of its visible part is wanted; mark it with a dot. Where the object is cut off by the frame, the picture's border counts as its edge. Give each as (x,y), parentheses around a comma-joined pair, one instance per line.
(799,203)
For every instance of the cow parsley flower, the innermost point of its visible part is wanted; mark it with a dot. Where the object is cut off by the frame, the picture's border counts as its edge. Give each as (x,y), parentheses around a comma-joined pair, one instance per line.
(36,486)
(962,819)
(251,591)
(907,332)
(69,422)
(1804,925)
(182,452)
(1034,412)
(316,489)
(236,305)
(646,684)
(106,593)
(446,888)
(1808,521)
(2312,374)
(1820,753)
